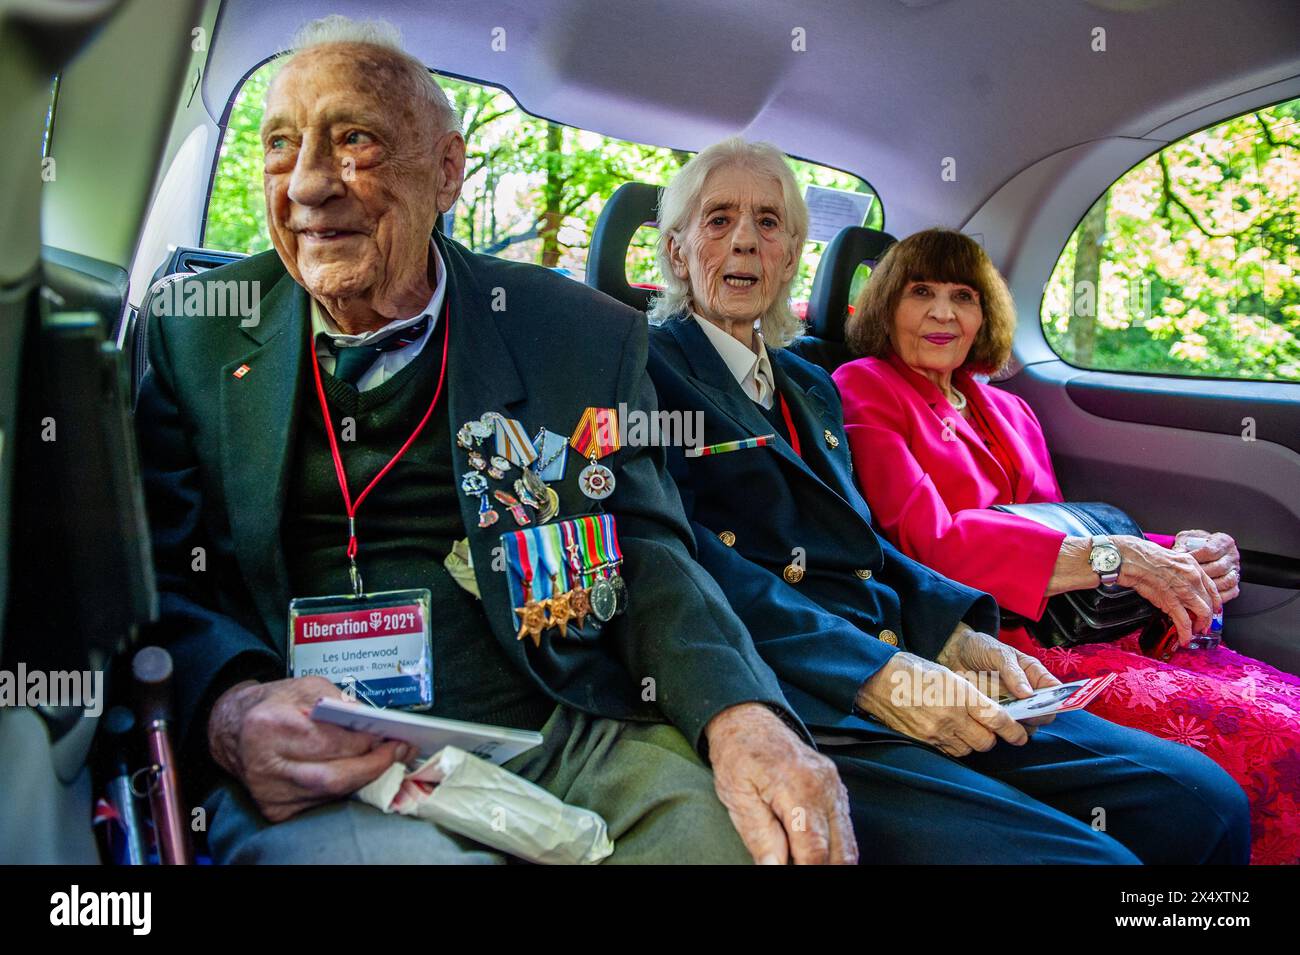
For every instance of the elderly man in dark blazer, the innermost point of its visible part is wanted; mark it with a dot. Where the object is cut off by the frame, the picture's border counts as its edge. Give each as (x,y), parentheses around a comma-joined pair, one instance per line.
(890,663)
(380,358)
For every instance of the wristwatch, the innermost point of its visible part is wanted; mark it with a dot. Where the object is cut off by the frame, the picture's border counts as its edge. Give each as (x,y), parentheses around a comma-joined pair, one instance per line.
(1104,560)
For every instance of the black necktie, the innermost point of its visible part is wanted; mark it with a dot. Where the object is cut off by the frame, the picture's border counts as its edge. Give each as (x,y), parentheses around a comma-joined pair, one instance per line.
(353,361)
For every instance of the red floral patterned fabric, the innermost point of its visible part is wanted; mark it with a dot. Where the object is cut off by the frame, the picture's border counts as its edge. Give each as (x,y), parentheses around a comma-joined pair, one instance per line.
(1243,714)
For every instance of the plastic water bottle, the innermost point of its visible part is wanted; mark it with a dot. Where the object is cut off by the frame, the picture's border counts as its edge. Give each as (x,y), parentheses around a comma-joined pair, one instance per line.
(1208,641)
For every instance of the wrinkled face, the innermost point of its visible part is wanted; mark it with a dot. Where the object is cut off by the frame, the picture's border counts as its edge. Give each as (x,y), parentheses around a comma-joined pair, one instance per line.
(355,172)
(935,325)
(736,252)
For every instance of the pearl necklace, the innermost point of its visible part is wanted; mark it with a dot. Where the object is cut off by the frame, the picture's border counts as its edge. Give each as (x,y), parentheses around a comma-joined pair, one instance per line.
(959,404)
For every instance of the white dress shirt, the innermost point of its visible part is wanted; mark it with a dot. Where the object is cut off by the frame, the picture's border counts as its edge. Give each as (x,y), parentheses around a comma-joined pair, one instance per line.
(750,366)
(388,363)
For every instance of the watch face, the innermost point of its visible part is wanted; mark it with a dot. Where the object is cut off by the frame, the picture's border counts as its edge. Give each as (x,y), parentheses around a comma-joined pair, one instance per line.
(1104,559)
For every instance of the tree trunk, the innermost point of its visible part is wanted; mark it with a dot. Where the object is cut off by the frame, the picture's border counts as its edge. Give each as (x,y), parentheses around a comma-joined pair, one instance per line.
(553,194)
(1085,295)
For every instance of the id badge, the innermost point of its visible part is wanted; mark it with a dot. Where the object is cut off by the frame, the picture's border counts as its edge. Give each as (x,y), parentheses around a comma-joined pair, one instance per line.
(377,645)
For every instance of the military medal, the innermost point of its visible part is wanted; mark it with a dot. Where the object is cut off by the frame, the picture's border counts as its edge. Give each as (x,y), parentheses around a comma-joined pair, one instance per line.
(550,507)
(533,613)
(604,601)
(512,442)
(499,467)
(580,605)
(526,495)
(596,436)
(620,593)
(561,608)
(476,485)
(596,481)
(562,574)
(477,461)
(532,621)
(552,455)
(512,504)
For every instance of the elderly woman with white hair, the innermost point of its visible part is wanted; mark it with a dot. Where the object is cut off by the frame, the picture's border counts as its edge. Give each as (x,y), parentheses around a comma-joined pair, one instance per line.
(890,664)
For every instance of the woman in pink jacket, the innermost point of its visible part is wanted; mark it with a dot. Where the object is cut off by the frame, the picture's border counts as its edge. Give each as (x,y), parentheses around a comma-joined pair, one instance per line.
(934,449)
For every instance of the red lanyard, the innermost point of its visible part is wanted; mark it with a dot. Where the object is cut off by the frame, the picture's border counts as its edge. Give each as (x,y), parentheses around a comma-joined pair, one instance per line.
(348,503)
(789,425)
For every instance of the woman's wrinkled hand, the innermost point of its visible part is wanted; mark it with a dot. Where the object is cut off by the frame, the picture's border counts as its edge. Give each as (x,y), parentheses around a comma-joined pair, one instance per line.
(1173,581)
(1218,556)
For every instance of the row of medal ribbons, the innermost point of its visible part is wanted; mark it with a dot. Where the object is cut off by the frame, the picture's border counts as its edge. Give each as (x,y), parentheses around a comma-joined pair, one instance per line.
(562,573)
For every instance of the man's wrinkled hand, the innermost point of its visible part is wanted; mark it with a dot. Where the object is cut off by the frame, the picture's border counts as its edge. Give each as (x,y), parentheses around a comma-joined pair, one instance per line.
(261,734)
(786,800)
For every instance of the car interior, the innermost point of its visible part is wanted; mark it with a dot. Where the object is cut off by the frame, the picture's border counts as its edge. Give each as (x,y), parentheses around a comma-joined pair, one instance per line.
(1002,119)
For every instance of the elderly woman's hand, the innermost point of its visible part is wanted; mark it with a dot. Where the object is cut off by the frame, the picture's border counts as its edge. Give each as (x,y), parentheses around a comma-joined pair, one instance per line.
(929,702)
(1172,580)
(1218,556)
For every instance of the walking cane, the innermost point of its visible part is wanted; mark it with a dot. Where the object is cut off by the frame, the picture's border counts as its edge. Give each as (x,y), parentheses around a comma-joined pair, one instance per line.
(152,668)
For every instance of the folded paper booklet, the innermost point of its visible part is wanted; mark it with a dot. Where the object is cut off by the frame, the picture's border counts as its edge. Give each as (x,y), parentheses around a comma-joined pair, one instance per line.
(488,804)
(428,734)
(1057,699)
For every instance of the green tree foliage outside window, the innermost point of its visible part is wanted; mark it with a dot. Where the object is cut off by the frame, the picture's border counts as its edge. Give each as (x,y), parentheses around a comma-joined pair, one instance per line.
(533,188)
(1190,264)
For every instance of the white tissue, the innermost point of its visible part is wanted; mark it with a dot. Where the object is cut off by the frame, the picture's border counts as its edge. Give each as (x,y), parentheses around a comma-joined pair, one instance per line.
(474,798)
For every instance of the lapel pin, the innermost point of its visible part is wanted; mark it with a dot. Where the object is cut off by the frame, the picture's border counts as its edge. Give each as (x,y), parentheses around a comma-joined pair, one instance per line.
(242,370)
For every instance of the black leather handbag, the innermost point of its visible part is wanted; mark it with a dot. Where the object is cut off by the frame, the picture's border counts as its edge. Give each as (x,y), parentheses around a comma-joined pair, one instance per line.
(1084,616)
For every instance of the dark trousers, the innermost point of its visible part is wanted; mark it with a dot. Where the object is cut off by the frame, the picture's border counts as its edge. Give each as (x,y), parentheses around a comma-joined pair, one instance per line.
(1082,790)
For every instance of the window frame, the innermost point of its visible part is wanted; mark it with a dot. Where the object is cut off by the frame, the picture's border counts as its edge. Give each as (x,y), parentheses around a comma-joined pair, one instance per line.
(1173,376)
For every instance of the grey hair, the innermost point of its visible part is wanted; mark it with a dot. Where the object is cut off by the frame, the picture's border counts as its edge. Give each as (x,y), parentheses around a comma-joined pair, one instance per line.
(677,204)
(337,28)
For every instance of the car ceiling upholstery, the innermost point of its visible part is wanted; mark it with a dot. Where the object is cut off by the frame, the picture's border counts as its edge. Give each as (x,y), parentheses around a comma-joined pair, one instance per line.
(886,88)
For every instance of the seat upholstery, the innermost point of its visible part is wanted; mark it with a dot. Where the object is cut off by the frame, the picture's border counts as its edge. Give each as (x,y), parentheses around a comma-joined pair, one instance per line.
(828,304)
(632,205)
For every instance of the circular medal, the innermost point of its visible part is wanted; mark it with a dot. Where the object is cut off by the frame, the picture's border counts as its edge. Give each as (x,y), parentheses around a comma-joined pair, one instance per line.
(500,463)
(536,486)
(525,494)
(550,507)
(620,593)
(604,600)
(473,483)
(480,429)
(596,481)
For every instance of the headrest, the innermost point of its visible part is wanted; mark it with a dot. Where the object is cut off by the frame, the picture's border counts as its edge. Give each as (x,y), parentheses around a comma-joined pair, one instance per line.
(632,205)
(829,301)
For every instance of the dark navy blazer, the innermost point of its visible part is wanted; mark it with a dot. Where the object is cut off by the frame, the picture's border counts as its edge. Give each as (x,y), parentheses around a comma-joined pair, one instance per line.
(755,512)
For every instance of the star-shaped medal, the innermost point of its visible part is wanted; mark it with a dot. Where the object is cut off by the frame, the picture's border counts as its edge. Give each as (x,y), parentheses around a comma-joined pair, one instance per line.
(532,620)
(561,613)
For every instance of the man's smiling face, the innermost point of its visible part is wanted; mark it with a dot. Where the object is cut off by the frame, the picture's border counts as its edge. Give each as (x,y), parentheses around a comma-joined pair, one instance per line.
(352,174)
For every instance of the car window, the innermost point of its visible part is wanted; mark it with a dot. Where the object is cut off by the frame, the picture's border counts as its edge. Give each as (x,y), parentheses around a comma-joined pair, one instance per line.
(533,189)
(1189,263)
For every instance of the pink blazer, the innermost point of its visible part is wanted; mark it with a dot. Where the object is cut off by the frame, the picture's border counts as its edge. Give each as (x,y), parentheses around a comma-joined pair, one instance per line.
(929,478)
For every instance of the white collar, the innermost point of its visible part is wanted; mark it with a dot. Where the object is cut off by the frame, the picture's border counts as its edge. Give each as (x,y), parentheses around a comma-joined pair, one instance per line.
(322,322)
(745,363)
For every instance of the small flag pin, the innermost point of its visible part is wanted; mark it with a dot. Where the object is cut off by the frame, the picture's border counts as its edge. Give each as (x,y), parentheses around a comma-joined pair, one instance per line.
(242,370)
